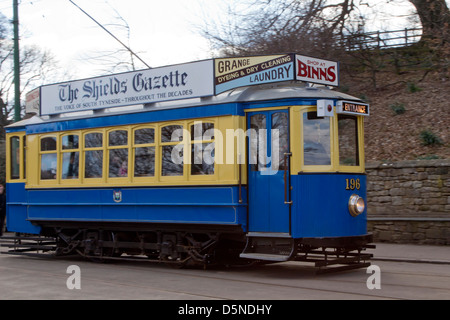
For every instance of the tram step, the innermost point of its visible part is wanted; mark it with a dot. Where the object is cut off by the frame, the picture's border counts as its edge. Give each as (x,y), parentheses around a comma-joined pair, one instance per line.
(268,235)
(265,257)
(269,246)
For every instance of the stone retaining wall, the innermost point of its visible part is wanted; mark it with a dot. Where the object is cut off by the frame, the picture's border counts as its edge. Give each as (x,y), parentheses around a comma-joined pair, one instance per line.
(409,201)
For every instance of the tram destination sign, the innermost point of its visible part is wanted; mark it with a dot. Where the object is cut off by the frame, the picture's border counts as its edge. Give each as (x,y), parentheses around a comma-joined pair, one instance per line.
(190,80)
(349,107)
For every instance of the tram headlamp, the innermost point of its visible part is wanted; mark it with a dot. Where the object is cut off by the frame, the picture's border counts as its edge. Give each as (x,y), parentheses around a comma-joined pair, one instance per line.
(356,205)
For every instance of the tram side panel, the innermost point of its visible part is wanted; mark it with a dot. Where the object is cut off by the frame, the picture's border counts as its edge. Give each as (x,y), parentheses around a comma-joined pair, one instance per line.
(33,201)
(320,205)
(17,210)
(188,205)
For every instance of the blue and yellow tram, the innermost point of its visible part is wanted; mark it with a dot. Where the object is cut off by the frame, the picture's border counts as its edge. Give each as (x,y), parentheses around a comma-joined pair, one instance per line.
(262,168)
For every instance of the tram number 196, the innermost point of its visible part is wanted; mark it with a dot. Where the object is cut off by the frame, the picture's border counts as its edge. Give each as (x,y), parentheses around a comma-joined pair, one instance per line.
(352,184)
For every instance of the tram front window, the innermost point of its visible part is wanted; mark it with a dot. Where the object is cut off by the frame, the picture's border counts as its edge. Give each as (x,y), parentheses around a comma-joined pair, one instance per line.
(348,140)
(317,142)
(15,157)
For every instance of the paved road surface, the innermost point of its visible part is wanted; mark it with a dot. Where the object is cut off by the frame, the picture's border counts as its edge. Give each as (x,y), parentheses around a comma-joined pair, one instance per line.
(28,278)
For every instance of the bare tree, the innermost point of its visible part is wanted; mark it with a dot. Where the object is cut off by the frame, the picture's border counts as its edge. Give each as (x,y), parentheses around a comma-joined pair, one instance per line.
(435,19)
(311,25)
(36,67)
(286,25)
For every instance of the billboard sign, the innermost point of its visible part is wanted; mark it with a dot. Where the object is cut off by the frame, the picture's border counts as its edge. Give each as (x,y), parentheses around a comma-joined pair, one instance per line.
(32,101)
(183,81)
(232,73)
(315,70)
(190,80)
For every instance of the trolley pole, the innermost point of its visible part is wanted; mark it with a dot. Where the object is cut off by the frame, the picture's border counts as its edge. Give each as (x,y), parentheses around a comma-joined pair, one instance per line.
(16,61)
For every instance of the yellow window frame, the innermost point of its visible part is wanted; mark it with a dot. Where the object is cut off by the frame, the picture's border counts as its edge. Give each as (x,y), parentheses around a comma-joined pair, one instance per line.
(360,136)
(155,145)
(316,168)
(184,142)
(297,144)
(201,177)
(56,180)
(108,148)
(84,150)
(21,149)
(62,152)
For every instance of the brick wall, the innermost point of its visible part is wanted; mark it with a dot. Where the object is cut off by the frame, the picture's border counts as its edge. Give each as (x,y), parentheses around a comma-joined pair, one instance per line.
(409,201)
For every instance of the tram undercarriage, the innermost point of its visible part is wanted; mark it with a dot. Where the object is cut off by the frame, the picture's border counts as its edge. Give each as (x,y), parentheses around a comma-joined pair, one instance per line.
(136,242)
(192,247)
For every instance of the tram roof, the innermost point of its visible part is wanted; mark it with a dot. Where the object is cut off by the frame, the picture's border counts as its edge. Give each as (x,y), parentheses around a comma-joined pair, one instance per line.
(291,90)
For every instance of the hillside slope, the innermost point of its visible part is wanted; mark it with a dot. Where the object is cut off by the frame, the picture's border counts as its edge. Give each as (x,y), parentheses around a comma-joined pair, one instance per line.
(391,136)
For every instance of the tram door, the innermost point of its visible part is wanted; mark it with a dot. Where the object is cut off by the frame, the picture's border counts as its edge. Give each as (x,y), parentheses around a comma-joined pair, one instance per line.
(268,143)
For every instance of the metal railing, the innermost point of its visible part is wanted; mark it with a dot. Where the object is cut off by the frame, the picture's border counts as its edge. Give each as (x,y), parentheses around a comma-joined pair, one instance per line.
(380,39)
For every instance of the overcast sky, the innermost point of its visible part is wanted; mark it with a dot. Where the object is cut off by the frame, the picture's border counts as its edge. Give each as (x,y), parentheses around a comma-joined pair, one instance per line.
(162,32)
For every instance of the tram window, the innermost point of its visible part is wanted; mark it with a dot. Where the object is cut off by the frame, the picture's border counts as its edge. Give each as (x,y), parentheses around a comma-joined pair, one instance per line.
(118,157)
(316,139)
(144,162)
(202,154)
(173,133)
(70,160)
(118,138)
(48,166)
(70,142)
(172,160)
(145,135)
(144,152)
(48,159)
(15,157)
(48,144)
(93,159)
(280,143)
(118,162)
(70,163)
(348,140)
(93,164)
(202,131)
(202,158)
(93,140)
(258,148)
